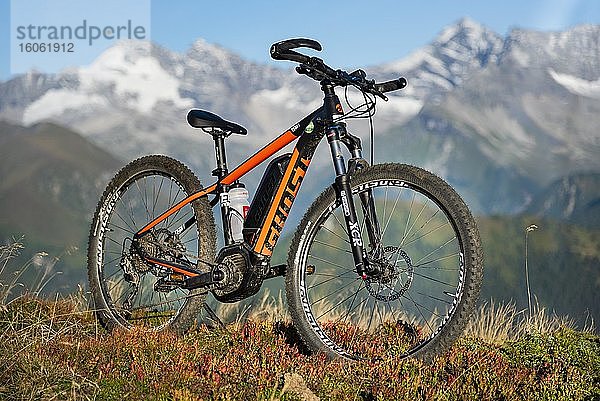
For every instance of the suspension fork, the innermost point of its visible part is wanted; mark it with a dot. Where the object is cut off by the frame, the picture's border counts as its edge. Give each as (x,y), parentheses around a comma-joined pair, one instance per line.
(344,194)
(357,162)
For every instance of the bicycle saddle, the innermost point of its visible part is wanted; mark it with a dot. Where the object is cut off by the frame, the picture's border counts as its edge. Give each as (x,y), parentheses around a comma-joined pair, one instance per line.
(204,119)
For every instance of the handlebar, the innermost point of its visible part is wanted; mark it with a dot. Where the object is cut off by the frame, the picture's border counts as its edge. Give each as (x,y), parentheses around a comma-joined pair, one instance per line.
(283,50)
(391,86)
(315,68)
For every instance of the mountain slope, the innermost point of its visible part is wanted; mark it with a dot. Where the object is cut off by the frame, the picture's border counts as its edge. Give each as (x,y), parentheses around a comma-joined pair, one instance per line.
(51,181)
(521,116)
(575,199)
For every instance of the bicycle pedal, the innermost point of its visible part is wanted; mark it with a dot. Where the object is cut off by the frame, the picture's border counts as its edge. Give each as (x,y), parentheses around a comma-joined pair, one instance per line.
(277,271)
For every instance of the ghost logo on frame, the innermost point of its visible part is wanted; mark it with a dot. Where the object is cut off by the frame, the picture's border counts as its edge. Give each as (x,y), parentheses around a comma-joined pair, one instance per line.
(84,31)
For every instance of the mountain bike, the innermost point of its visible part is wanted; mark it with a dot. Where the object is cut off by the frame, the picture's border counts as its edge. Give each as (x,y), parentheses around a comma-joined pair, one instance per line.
(386,262)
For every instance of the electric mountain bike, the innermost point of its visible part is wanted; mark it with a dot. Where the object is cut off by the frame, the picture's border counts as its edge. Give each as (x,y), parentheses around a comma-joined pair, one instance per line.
(386,262)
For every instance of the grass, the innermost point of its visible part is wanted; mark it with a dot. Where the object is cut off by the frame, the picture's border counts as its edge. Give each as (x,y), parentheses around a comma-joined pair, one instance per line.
(53,349)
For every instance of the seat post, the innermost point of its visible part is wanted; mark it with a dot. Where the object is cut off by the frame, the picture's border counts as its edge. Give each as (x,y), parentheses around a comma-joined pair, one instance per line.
(221,158)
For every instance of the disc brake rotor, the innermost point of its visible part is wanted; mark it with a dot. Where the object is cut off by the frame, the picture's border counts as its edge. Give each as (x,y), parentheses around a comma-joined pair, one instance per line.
(396,275)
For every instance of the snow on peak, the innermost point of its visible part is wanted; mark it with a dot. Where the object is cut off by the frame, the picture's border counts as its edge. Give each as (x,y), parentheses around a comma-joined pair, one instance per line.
(468,32)
(202,48)
(577,85)
(464,26)
(142,81)
(458,50)
(410,62)
(127,71)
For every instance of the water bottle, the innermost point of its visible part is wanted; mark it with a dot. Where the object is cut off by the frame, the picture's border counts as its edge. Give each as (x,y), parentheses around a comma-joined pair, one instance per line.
(238,208)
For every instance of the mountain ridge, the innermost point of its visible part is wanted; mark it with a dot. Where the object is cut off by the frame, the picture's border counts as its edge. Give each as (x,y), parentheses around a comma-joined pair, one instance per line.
(501,98)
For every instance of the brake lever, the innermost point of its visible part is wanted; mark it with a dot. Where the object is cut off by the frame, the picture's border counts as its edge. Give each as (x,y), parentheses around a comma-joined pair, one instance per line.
(370,87)
(377,93)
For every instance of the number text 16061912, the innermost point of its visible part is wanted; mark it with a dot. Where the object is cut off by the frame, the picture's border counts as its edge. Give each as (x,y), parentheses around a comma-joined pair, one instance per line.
(56,47)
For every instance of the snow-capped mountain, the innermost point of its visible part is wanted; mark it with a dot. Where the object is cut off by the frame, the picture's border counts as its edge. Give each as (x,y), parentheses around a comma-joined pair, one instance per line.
(482,110)
(523,120)
(459,51)
(133,98)
(536,110)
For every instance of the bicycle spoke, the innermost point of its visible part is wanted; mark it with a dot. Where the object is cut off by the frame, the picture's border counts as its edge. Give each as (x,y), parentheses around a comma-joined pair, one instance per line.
(418,306)
(427,233)
(337,290)
(391,213)
(454,255)
(143,200)
(423,225)
(332,246)
(342,238)
(412,202)
(112,260)
(435,250)
(340,223)
(115,284)
(413,225)
(168,226)
(338,304)
(330,279)
(436,298)
(433,279)
(351,309)
(169,203)
(157,197)
(328,262)
(114,241)
(123,220)
(183,217)
(121,228)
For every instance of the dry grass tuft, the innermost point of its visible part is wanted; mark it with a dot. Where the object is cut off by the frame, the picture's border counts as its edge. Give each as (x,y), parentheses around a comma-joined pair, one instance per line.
(493,322)
(497,323)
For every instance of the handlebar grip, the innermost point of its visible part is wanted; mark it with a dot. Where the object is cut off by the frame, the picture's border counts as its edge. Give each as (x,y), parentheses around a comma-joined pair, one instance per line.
(283,50)
(390,86)
(290,44)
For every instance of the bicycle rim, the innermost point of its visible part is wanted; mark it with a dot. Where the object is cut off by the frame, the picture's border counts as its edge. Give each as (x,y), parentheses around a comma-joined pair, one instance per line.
(420,256)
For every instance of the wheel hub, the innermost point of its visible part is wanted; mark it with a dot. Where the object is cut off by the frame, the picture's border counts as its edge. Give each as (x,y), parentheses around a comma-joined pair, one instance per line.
(395,275)
(160,244)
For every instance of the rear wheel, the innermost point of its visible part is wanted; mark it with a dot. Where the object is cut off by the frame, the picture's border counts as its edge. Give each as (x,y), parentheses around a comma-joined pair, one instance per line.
(429,264)
(127,291)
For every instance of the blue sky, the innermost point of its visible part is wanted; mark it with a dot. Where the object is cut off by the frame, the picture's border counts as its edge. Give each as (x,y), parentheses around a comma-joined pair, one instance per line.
(353,33)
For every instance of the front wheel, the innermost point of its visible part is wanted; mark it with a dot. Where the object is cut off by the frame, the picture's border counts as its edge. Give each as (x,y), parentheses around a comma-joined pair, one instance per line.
(426,250)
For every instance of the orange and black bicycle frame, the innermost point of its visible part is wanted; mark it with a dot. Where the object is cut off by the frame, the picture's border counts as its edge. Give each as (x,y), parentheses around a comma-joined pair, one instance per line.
(308,133)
